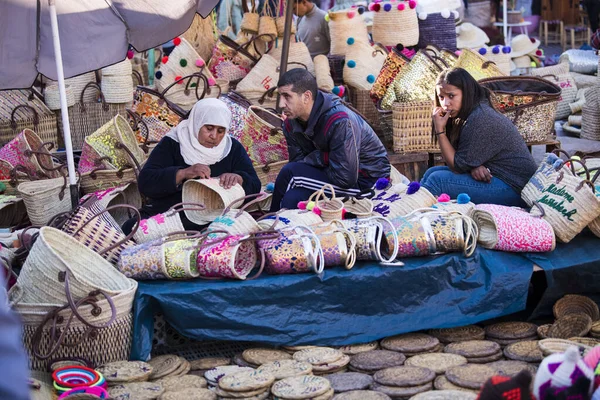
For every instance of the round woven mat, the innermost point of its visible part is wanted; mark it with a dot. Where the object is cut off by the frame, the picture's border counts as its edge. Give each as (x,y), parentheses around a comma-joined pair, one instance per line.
(404,376)
(183,369)
(239,395)
(286,368)
(511,330)
(473,348)
(246,381)
(361,395)
(542,331)
(125,371)
(174,383)
(262,356)
(410,343)
(263,396)
(188,394)
(377,359)
(318,355)
(511,367)
(576,304)
(326,396)
(358,348)
(586,341)
(349,381)
(137,390)
(402,392)
(485,360)
(334,366)
(164,365)
(437,362)
(595,331)
(437,349)
(209,363)
(524,351)
(551,346)
(470,376)
(238,360)
(301,387)
(570,325)
(442,383)
(445,395)
(360,371)
(293,349)
(506,342)
(449,335)
(214,375)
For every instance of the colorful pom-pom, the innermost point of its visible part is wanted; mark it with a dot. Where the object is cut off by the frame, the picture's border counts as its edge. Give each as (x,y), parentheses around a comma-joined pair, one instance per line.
(177,41)
(399,47)
(382,183)
(270,187)
(316,210)
(342,91)
(412,4)
(371,79)
(165,59)
(506,49)
(351,63)
(387,7)
(445,13)
(532,40)
(351,14)
(372,7)
(178,78)
(302,205)
(350,40)
(443,198)
(401,7)
(377,7)
(336,90)
(327,17)
(413,187)
(158,75)
(557,164)
(211,82)
(361,10)
(539,53)
(193,84)
(533,64)
(130,54)
(199,63)
(496,50)
(2,187)
(310,206)
(344,213)
(483,51)
(422,16)
(183,62)
(463,198)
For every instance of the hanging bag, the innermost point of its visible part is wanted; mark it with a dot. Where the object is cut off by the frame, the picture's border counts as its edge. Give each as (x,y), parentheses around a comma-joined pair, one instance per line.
(344,25)
(263,136)
(395,22)
(27,150)
(232,61)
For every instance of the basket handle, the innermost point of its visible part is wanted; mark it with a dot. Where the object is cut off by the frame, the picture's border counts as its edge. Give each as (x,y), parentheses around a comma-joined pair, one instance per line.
(21,168)
(552,75)
(137,119)
(586,182)
(540,208)
(39,152)
(176,207)
(382,48)
(204,84)
(258,197)
(36,118)
(195,74)
(97,87)
(270,92)
(121,146)
(561,173)
(138,76)
(597,169)
(486,64)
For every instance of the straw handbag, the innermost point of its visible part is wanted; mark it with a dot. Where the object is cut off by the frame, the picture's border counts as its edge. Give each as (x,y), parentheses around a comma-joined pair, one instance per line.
(53,254)
(185,91)
(338,244)
(547,171)
(363,63)
(323,73)
(591,114)
(212,195)
(393,63)
(164,224)
(263,137)
(52,97)
(559,75)
(478,66)
(529,102)
(438,29)
(22,109)
(124,195)
(371,241)
(78,84)
(250,19)
(238,221)
(412,127)
(101,178)
(344,25)
(328,208)
(45,198)
(98,329)
(238,105)
(202,35)
(28,151)
(231,61)
(415,235)
(453,232)
(512,229)
(595,224)
(395,22)
(401,199)
(288,219)
(267,28)
(358,207)
(499,55)
(117,81)
(298,54)
(455,206)
(568,203)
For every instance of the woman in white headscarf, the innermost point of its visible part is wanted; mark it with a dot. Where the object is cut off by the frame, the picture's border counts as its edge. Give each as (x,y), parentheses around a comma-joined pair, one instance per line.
(199,147)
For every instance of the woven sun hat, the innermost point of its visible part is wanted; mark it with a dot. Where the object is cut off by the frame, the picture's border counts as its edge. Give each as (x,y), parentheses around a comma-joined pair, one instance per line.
(469,36)
(522,62)
(523,44)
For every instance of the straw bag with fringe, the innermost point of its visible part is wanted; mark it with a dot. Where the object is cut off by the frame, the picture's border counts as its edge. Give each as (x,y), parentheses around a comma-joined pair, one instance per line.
(363,63)
(415,235)
(298,54)
(202,35)
(238,221)
(263,137)
(453,232)
(590,123)
(568,203)
(289,218)
(323,73)
(212,195)
(28,151)
(512,229)
(395,23)
(371,241)
(478,66)
(438,29)
(559,75)
(97,328)
(412,127)
(393,63)
(401,199)
(343,25)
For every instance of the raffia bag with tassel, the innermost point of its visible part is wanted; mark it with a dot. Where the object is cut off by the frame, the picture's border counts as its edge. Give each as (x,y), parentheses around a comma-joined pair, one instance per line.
(395,22)
(344,25)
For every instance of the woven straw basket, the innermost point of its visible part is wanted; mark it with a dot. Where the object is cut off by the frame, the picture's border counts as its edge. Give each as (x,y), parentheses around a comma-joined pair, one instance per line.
(17,153)
(45,198)
(262,77)
(498,57)
(250,23)
(201,35)
(268,173)
(545,172)
(298,54)
(559,75)
(453,206)
(343,25)
(289,218)
(590,124)
(437,29)
(363,63)
(267,27)
(117,88)
(323,73)
(52,97)
(263,136)
(412,127)
(396,25)
(210,193)
(394,201)
(478,66)
(332,207)
(78,84)
(92,182)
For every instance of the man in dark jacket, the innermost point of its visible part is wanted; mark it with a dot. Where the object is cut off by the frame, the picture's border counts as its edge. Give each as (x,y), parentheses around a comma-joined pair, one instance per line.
(327,143)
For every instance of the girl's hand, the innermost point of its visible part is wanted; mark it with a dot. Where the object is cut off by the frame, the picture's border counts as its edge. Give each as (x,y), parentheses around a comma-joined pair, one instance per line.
(481,174)
(440,119)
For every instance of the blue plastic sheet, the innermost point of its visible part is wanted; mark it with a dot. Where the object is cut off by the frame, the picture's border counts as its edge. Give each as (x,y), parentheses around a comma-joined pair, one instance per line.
(366,303)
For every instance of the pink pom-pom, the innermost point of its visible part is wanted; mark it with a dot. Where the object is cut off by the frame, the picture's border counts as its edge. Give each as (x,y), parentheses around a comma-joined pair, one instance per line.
(130,54)
(592,358)
(412,4)
(317,210)
(342,91)
(302,205)
(199,62)
(211,82)
(343,213)
(401,7)
(351,14)
(371,6)
(443,198)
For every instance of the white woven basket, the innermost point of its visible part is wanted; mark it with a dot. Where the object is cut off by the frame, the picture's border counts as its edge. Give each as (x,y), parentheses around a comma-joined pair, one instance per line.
(52,97)
(117,88)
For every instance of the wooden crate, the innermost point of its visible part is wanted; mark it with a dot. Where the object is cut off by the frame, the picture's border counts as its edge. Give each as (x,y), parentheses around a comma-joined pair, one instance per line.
(411,165)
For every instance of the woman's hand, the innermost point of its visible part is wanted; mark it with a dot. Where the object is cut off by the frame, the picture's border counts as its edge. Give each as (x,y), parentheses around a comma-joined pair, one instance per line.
(440,119)
(195,171)
(229,180)
(481,174)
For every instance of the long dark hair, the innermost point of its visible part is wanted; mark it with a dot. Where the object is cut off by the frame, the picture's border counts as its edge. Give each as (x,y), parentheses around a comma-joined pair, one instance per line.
(472,94)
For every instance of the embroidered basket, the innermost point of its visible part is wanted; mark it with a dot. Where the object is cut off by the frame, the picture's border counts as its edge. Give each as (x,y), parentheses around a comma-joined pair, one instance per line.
(371,240)
(338,244)
(453,232)
(263,136)
(210,193)
(238,105)
(158,114)
(230,256)
(24,150)
(412,127)
(393,63)
(547,171)
(262,78)
(401,200)
(395,22)
(343,25)
(415,235)
(559,75)
(231,61)
(238,222)
(289,219)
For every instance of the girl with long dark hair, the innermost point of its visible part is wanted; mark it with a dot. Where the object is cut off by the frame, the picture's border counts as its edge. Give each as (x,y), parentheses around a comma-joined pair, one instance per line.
(486,157)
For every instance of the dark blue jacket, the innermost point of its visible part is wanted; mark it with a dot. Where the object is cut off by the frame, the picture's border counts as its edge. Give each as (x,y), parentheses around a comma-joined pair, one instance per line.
(157,178)
(338,140)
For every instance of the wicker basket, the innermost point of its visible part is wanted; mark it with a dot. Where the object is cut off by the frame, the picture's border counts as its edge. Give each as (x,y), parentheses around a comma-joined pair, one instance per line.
(343,25)
(336,67)
(202,35)
(52,97)
(498,55)
(298,53)
(363,64)
(103,179)
(268,173)
(477,65)
(559,75)
(361,100)
(263,136)
(45,198)
(412,127)
(395,23)
(590,124)
(437,29)
(210,193)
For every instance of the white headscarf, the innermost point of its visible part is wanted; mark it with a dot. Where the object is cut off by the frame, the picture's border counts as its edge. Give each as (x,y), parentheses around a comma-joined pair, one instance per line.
(205,112)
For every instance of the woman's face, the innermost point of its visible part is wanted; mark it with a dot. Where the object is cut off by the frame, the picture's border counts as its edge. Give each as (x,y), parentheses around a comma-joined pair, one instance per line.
(450,98)
(211,135)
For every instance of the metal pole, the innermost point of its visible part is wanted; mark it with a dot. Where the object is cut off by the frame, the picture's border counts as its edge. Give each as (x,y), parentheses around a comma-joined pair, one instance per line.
(63,104)
(285,46)
(505,22)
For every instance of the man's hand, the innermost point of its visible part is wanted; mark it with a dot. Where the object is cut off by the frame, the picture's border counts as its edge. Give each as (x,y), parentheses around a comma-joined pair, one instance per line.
(229,180)
(481,174)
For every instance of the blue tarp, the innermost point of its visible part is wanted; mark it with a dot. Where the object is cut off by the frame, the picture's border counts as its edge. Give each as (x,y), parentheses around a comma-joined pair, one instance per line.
(366,303)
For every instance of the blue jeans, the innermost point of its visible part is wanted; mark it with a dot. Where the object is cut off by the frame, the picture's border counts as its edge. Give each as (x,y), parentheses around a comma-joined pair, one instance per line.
(441,179)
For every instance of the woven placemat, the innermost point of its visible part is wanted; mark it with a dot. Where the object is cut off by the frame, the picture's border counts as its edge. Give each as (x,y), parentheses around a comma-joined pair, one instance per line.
(164,365)
(183,369)
(262,396)
(402,392)
(511,367)
(349,381)
(337,365)
(506,342)
(361,395)
(404,376)
(445,395)
(137,390)
(449,335)
(259,356)
(246,381)
(576,304)
(511,330)
(470,376)
(442,383)
(586,341)
(209,363)
(488,359)
(437,349)
(570,325)
(336,371)
(473,348)
(286,368)
(188,394)
(377,359)
(551,346)
(238,360)
(301,387)
(174,383)
(318,355)
(293,349)
(214,375)
(125,371)
(542,331)
(239,395)
(410,343)
(524,351)
(358,348)
(437,362)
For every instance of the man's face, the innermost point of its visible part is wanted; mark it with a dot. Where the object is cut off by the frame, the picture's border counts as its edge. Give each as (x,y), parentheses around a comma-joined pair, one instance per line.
(301,8)
(292,104)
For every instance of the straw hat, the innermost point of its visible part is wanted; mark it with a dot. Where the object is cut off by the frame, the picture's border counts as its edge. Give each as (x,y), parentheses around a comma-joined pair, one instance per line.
(522,62)
(523,44)
(469,36)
